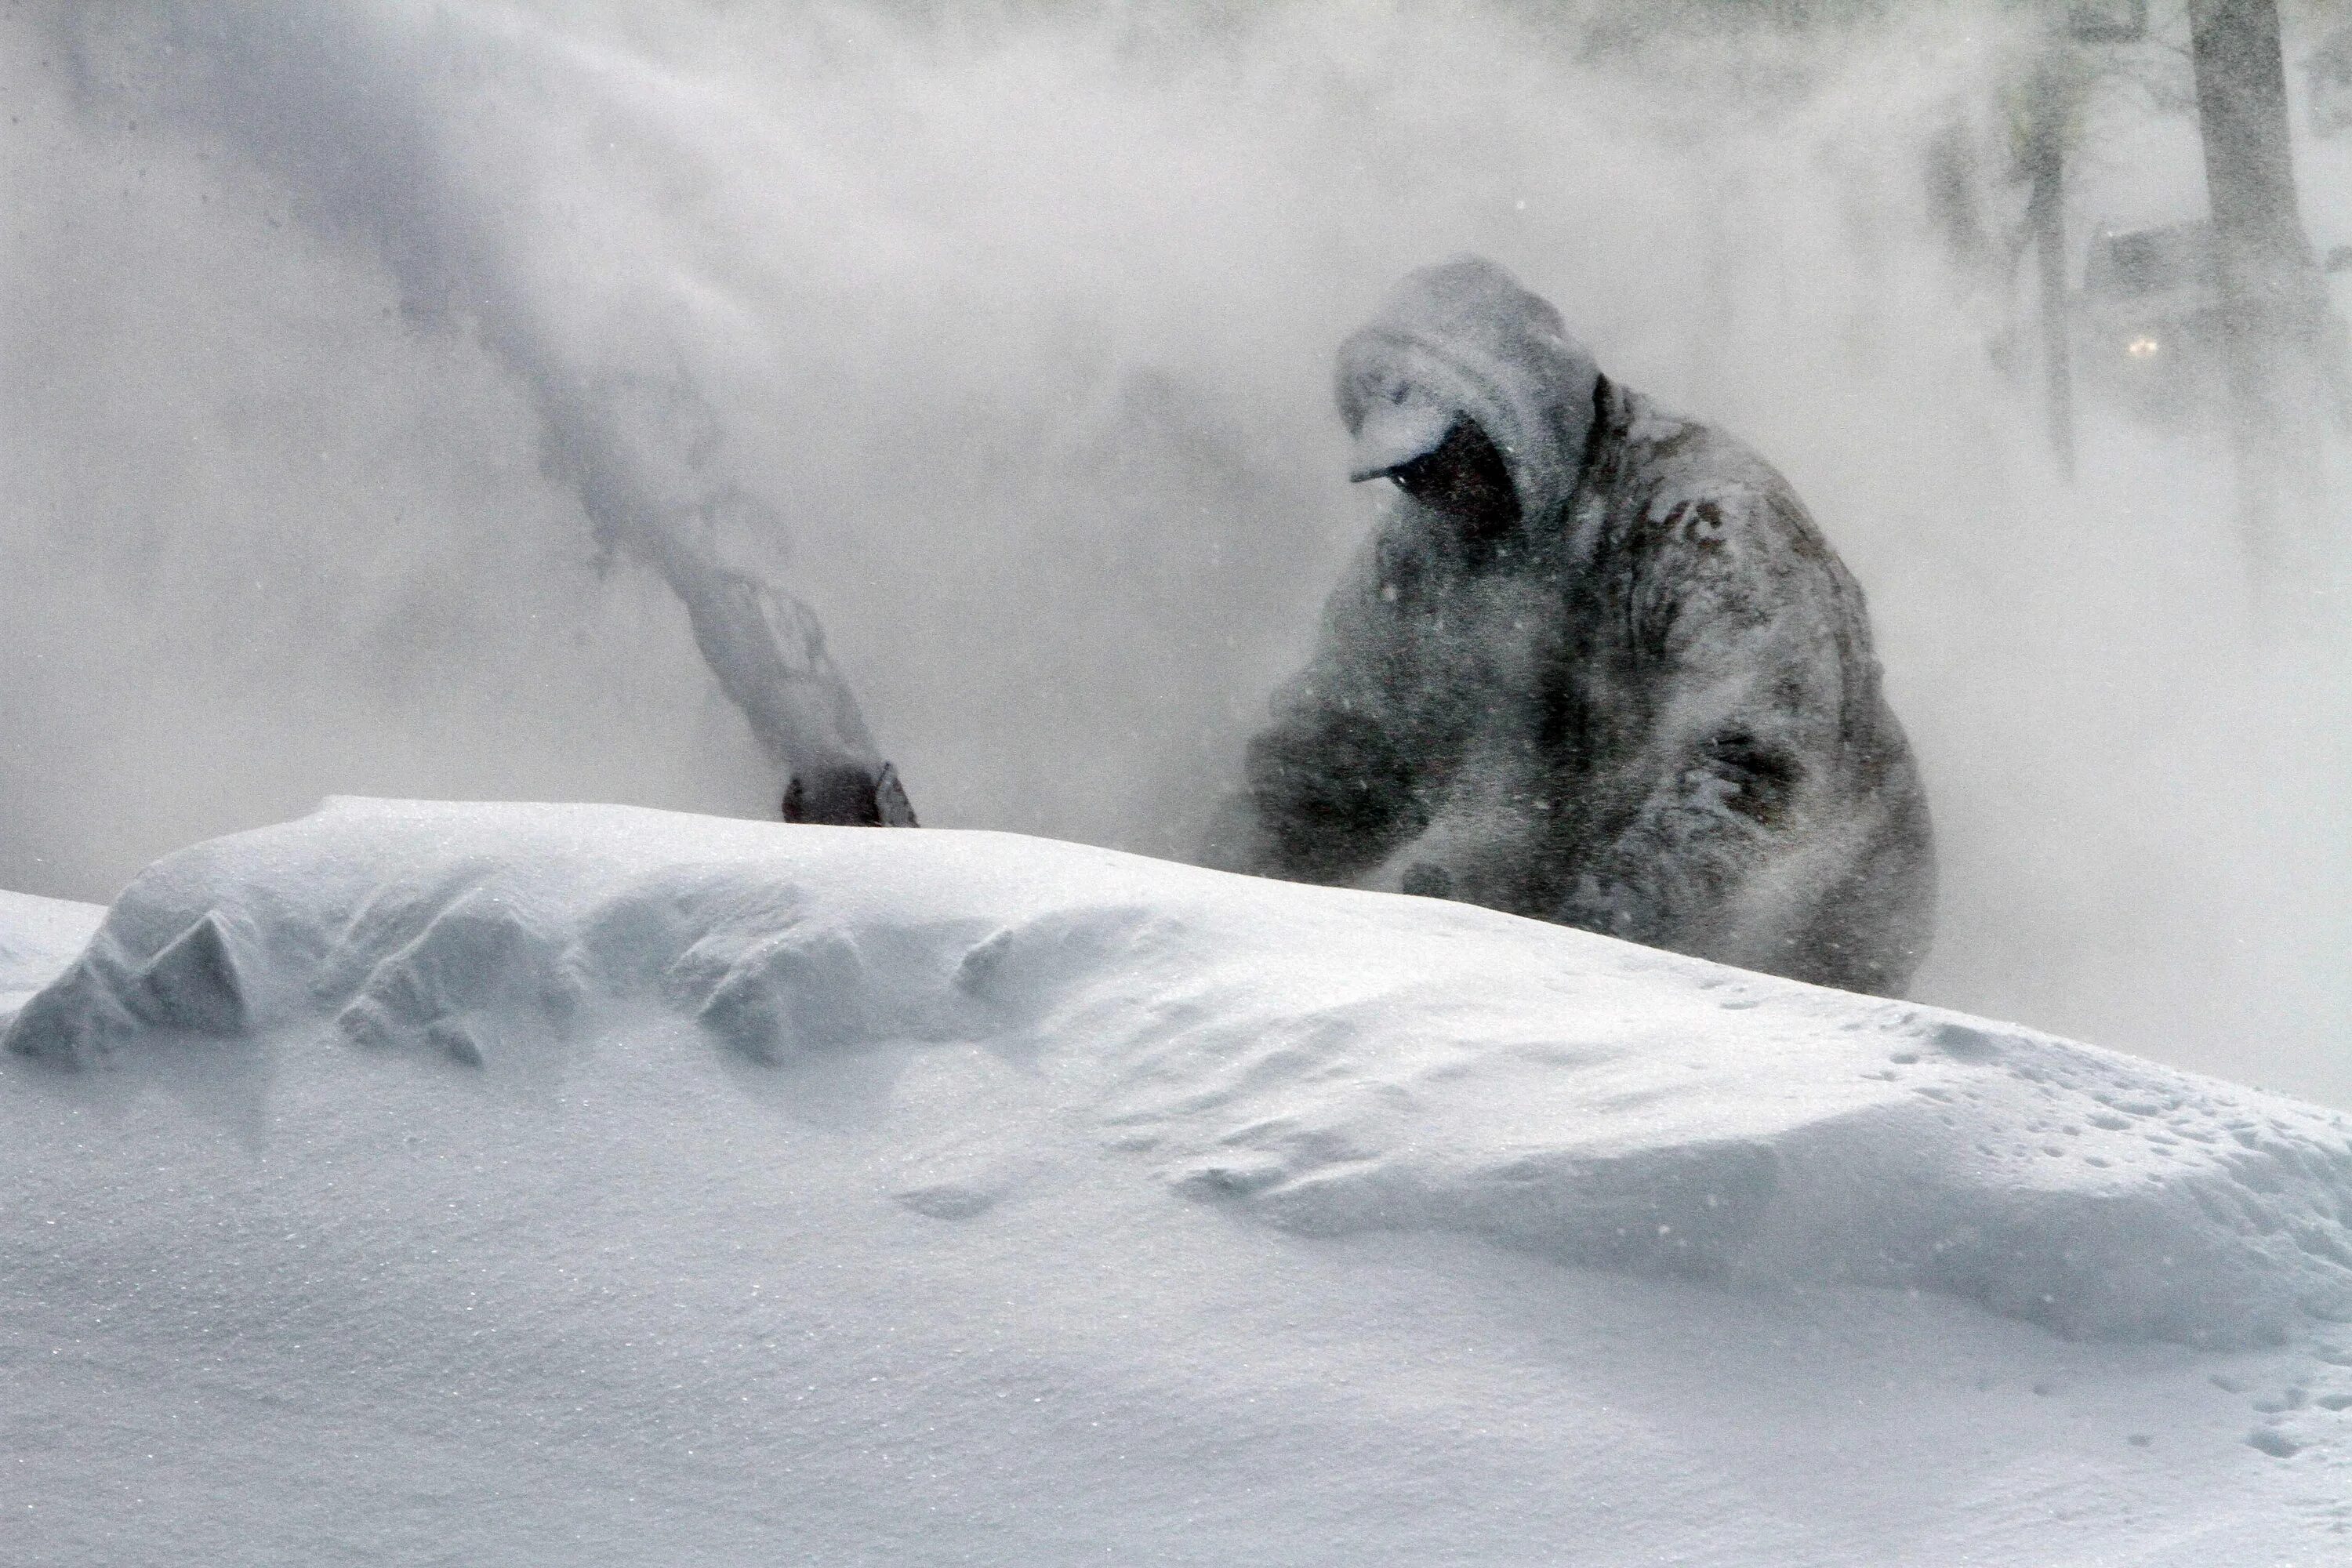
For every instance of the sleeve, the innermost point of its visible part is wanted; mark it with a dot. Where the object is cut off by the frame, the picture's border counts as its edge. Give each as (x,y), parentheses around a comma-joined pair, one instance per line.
(1742,629)
(1332,783)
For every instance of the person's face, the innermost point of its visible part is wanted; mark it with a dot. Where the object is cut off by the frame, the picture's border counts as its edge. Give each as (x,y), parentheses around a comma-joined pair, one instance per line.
(1464,477)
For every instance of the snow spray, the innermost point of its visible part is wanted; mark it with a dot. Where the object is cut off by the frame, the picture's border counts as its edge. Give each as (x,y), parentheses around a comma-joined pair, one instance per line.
(329,99)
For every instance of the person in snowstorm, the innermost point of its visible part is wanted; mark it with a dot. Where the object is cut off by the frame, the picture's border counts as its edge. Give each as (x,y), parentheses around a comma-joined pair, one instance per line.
(1596,666)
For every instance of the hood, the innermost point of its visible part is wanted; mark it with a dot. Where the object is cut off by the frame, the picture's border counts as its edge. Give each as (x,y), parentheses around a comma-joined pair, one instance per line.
(1463,339)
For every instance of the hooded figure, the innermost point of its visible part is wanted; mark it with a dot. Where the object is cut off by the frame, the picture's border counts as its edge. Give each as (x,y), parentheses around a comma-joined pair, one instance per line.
(1597,666)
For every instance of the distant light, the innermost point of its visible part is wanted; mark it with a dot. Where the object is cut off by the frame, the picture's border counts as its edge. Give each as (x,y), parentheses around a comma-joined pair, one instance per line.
(2140,348)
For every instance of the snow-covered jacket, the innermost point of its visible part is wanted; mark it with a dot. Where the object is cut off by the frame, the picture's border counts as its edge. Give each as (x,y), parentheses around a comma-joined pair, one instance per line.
(1649,709)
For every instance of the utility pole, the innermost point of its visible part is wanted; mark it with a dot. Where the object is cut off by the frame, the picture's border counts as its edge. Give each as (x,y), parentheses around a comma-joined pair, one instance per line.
(2273,302)
(2045,215)
(2053,92)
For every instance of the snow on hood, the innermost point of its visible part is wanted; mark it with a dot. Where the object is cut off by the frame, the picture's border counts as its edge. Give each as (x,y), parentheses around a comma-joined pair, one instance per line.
(1464,338)
(1325,1060)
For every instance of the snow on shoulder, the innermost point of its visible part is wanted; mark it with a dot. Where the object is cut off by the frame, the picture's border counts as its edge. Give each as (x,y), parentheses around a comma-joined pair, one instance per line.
(1326,1061)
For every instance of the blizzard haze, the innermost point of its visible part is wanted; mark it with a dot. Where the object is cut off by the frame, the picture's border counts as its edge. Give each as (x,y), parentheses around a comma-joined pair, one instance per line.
(1017,323)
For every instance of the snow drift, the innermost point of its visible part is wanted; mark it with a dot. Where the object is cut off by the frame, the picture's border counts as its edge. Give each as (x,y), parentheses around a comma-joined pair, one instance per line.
(1327,1061)
(579,1185)
(38,937)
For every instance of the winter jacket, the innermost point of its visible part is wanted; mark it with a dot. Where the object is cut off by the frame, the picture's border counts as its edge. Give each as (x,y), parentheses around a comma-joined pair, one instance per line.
(1649,709)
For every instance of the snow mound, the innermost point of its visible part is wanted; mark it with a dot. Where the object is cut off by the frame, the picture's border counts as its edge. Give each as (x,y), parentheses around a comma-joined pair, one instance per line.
(1327,1061)
(38,937)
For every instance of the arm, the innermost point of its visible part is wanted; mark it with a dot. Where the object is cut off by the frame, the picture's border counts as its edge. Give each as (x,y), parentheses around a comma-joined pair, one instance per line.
(1332,783)
(1744,623)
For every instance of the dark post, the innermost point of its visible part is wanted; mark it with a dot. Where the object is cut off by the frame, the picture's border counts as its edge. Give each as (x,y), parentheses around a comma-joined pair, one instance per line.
(2045,163)
(2273,304)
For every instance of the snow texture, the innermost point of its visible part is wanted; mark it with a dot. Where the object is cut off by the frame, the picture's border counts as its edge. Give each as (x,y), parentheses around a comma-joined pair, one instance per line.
(590,1185)
(1327,1061)
(38,937)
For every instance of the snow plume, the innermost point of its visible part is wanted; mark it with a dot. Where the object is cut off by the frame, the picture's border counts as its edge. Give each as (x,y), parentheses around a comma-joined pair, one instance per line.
(342,107)
(1022,319)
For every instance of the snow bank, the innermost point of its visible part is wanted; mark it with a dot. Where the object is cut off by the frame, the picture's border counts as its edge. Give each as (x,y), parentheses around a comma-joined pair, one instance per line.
(1328,1062)
(38,937)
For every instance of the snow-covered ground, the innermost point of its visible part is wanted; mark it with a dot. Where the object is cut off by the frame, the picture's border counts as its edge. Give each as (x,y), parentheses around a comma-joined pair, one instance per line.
(500,1183)
(38,938)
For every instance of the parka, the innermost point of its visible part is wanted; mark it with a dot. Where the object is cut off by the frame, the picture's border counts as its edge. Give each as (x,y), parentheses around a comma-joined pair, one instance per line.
(1649,707)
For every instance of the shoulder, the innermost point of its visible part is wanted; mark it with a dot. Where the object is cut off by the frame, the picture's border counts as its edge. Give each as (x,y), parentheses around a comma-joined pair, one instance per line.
(1669,466)
(1699,495)
(1712,545)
